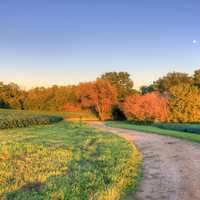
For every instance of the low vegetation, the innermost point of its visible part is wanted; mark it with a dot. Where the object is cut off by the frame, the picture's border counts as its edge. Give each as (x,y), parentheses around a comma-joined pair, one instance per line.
(154,129)
(66,161)
(18,119)
(190,128)
(148,107)
(80,116)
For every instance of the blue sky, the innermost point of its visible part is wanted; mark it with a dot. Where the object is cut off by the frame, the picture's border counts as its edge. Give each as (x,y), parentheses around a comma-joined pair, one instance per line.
(45,42)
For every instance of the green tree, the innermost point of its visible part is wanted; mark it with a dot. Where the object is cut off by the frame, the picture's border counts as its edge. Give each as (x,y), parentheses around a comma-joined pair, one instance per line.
(12,96)
(196,78)
(122,81)
(184,103)
(172,79)
(53,98)
(146,89)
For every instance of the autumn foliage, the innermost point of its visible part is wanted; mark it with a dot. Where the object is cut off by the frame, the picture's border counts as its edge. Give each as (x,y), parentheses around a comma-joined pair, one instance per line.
(148,107)
(184,103)
(100,95)
(70,107)
(175,97)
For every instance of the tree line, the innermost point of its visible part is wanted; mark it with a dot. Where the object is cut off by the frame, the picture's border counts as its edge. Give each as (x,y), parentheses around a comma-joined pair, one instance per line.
(174,97)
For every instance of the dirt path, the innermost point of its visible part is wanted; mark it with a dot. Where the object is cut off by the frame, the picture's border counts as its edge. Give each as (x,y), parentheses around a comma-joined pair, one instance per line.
(171,166)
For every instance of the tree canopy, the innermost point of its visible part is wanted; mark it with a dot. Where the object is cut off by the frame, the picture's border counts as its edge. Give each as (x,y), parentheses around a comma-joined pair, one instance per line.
(100,95)
(122,81)
(184,103)
(175,97)
(170,80)
(149,107)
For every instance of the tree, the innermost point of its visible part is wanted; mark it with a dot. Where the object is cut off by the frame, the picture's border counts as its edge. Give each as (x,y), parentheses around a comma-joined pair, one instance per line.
(196,78)
(100,95)
(122,81)
(3,104)
(12,96)
(184,103)
(146,89)
(53,98)
(172,79)
(70,107)
(148,107)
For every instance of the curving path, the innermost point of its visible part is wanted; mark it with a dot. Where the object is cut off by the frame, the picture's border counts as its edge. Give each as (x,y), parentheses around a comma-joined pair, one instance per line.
(171,166)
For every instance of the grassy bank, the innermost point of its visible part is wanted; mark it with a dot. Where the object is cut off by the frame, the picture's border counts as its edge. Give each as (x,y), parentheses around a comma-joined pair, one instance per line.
(65,161)
(152,129)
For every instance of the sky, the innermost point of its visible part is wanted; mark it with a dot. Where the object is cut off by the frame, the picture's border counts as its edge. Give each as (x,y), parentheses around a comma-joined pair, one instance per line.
(46,42)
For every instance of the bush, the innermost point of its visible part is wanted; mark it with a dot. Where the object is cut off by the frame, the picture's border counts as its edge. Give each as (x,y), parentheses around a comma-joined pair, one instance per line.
(190,128)
(149,107)
(19,119)
(184,104)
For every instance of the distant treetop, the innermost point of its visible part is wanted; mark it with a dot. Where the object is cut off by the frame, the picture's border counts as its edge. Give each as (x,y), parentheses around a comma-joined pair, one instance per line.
(122,81)
(172,79)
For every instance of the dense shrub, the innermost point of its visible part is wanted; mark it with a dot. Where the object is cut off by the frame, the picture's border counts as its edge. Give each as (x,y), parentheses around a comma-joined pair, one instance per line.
(191,128)
(184,104)
(149,107)
(16,119)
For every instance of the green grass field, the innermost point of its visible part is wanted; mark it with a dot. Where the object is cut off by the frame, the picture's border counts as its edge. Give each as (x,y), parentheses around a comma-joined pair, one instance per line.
(66,160)
(153,129)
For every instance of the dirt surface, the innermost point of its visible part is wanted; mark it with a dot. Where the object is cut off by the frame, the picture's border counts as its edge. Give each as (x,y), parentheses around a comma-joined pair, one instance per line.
(171,168)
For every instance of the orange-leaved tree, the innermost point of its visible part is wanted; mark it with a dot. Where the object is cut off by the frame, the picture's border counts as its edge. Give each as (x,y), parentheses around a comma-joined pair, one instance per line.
(71,107)
(148,107)
(100,95)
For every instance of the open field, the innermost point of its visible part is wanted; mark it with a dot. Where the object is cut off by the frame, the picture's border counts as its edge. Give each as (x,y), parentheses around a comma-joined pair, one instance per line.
(161,131)
(66,161)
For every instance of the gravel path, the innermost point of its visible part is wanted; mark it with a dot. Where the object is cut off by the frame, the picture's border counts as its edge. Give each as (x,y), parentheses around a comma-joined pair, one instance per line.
(171,166)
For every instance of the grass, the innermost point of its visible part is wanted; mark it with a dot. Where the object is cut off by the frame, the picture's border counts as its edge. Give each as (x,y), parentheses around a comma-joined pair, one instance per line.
(83,115)
(153,129)
(66,161)
(77,116)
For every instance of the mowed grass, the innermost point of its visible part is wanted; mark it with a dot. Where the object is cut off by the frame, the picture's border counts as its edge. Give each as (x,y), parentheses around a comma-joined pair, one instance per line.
(153,129)
(66,161)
